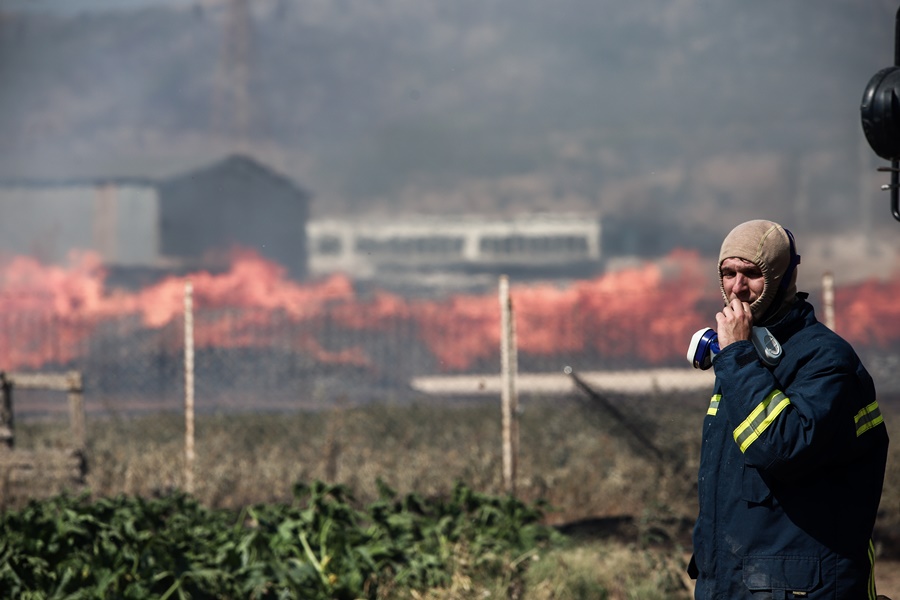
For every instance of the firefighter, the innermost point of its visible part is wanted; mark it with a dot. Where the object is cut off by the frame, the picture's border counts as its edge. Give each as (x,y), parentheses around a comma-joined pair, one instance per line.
(793,453)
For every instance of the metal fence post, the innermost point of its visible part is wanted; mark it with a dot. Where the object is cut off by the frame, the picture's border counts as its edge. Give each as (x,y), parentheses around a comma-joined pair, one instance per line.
(508,375)
(828,298)
(188,387)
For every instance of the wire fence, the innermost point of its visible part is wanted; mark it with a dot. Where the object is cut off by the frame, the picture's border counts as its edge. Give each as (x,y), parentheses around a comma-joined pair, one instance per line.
(287,371)
(257,359)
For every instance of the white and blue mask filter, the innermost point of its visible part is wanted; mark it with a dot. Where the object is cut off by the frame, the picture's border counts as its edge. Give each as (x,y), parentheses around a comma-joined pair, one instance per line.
(704,347)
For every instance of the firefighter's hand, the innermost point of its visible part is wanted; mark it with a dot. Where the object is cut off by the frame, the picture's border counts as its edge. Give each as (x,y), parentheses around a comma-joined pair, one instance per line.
(734,323)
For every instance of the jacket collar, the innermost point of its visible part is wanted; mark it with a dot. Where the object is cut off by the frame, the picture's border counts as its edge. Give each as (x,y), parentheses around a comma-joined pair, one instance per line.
(802,314)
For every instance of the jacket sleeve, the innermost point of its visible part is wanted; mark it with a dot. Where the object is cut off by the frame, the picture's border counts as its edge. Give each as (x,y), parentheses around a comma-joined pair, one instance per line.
(790,429)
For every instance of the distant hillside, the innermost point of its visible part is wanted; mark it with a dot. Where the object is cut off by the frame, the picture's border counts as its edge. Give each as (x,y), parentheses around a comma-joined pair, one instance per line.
(682,115)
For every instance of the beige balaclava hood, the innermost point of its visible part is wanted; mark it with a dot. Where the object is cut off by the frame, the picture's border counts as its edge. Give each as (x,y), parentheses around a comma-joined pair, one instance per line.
(768,245)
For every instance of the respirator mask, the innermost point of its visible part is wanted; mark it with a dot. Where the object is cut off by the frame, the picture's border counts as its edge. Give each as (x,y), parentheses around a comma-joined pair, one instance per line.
(705,346)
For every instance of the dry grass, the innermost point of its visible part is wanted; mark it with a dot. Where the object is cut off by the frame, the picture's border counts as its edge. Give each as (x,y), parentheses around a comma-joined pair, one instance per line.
(604,570)
(577,458)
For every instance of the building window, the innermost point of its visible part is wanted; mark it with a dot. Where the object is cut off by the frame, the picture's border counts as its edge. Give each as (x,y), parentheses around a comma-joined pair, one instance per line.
(546,244)
(329,245)
(409,246)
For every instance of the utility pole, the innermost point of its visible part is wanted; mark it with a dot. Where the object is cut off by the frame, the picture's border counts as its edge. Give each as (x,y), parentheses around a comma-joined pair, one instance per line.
(232,101)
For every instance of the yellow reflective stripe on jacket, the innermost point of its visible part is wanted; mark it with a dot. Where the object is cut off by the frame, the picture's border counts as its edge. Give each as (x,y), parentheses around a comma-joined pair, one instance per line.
(871,590)
(714,405)
(762,416)
(868,418)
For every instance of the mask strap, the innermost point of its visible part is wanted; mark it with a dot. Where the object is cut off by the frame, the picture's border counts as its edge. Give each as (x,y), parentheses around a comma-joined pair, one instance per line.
(795,260)
(785,280)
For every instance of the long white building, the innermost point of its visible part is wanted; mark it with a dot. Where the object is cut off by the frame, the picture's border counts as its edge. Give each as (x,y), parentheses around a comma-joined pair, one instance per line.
(367,248)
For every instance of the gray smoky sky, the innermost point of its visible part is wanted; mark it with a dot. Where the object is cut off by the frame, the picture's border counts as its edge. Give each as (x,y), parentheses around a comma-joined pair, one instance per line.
(687,115)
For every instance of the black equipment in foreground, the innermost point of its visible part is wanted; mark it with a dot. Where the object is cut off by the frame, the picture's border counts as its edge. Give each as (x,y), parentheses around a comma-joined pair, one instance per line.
(880,114)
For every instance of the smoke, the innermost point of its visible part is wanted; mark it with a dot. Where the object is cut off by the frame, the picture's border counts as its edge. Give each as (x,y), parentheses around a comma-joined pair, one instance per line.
(382,106)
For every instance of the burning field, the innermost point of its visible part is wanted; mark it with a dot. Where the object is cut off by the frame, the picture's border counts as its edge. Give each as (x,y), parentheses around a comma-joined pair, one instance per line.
(254,323)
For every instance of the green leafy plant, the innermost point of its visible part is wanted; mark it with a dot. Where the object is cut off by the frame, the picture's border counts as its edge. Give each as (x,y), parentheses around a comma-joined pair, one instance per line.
(320,546)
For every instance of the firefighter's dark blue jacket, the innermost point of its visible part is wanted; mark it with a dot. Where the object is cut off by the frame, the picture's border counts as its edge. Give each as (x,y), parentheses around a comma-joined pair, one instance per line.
(791,470)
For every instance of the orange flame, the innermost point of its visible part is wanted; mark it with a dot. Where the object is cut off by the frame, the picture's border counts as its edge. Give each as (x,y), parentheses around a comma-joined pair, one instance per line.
(867,314)
(645,313)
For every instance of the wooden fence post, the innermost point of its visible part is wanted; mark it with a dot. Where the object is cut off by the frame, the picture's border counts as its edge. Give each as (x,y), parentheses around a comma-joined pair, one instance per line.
(508,398)
(24,473)
(188,387)
(7,429)
(76,410)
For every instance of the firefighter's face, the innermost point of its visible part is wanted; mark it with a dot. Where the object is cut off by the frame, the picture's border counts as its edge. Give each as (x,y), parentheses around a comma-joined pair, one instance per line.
(742,280)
